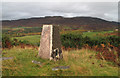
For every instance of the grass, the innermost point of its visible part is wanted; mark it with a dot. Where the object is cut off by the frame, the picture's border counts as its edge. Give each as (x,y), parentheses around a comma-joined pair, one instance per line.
(17,28)
(71,32)
(33,39)
(96,34)
(36,38)
(79,61)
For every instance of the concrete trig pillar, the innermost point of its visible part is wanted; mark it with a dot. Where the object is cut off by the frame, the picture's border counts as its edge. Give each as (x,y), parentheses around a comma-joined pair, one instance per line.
(50,43)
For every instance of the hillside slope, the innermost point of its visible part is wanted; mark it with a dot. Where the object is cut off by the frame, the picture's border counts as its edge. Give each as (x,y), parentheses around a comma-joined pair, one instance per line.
(86,23)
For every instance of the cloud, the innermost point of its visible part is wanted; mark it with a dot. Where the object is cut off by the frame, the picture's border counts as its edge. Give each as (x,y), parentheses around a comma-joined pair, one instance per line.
(19,10)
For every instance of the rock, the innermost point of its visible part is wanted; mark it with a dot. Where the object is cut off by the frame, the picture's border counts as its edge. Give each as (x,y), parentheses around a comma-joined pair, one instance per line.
(60,68)
(6,58)
(36,62)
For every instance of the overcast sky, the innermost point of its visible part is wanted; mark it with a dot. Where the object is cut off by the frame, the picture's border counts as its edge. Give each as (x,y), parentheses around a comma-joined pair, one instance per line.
(20,10)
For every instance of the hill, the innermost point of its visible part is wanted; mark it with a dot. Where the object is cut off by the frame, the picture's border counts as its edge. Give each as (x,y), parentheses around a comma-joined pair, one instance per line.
(86,23)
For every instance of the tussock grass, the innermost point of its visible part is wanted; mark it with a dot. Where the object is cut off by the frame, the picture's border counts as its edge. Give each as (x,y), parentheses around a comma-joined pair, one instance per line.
(82,63)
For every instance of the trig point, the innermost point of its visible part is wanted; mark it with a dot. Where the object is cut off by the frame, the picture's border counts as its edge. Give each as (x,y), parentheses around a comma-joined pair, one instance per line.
(50,43)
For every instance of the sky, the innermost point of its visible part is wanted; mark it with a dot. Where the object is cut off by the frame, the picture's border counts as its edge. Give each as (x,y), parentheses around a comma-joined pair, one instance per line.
(20,10)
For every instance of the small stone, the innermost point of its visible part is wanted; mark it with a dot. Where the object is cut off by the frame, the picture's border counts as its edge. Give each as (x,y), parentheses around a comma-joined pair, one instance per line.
(6,58)
(33,61)
(60,68)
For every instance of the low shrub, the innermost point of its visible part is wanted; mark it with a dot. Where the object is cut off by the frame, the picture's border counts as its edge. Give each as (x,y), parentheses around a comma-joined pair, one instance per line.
(114,40)
(6,41)
(72,40)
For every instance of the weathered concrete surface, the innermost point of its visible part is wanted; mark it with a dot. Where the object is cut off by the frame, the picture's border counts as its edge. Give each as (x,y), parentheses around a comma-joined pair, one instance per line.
(50,43)
(45,42)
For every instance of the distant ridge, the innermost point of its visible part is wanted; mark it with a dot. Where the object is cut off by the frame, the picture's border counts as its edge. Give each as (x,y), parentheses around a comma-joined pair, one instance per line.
(86,23)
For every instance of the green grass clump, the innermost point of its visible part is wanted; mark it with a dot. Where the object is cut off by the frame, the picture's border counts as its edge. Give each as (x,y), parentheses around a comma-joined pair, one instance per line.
(82,63)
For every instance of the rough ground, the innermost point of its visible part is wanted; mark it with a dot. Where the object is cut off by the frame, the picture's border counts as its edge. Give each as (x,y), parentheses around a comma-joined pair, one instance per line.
(82,63)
